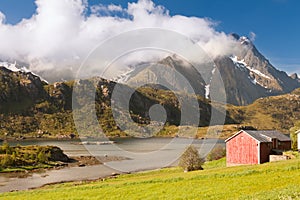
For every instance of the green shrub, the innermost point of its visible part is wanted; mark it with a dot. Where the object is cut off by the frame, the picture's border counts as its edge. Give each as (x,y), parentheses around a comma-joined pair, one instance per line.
(190,160)
(216,154)
(32,156)
(26,156)
(6,161)
(42,157)
(6,149)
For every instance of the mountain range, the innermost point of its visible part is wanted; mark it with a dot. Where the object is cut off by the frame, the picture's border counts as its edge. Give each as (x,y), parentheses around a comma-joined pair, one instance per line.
(257,95)
(247,76)
(34,108)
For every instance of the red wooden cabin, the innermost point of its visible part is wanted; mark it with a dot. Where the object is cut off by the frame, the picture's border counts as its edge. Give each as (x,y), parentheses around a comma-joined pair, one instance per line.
(254,147)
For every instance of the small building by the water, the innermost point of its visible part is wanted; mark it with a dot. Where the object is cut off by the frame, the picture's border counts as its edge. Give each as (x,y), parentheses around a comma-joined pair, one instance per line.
(255,147)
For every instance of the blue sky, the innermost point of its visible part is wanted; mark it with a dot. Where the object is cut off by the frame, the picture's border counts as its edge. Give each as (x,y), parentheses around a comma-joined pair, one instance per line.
(276,23)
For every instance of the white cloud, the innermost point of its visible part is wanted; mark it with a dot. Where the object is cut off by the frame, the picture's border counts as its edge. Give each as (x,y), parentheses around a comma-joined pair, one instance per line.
(113,7)
(60,34)
(2,18)
(101,9)
(252,36)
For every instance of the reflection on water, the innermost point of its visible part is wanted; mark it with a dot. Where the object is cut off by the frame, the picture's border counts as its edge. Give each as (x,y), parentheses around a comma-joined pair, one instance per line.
(69,147)
(143,153)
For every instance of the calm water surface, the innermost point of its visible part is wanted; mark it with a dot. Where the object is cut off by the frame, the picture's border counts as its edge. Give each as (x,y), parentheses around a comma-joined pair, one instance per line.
(143,154)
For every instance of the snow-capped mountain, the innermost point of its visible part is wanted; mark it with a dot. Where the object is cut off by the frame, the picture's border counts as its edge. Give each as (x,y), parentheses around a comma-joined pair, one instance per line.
(247,76)
(250,66)
(16,67)
(168,73)
(295,77)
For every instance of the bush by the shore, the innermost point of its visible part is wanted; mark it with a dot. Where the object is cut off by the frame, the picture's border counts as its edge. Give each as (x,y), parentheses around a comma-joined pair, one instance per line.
(217,153)
(33,156)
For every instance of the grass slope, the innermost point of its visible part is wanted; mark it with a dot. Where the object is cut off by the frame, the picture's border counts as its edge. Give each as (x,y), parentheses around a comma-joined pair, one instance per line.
(276,112)
(279,180)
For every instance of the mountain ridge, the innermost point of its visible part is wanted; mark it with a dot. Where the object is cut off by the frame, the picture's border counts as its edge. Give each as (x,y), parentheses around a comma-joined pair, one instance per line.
(247,76)
(48,111)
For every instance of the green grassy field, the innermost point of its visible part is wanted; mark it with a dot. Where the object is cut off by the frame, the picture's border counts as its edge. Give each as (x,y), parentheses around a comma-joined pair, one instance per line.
(280,180)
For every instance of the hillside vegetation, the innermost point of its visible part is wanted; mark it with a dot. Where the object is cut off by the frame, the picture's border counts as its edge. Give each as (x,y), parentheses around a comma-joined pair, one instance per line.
(30,107)
(277,112)
(278,180)
(21,158)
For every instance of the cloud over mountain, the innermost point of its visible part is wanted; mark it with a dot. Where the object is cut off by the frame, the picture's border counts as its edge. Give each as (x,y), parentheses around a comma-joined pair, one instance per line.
(61,33)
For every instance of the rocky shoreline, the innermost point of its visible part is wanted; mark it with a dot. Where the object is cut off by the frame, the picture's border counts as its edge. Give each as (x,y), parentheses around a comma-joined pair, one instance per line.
(76,161)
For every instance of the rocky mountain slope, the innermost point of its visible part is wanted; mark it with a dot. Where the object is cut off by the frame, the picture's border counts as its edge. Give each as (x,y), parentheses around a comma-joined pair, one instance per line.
(19,90)
(247,76)
(31,107)
(268,81)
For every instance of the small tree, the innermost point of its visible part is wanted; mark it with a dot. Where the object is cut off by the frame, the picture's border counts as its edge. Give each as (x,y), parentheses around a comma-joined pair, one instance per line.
(190,160)
(293,135)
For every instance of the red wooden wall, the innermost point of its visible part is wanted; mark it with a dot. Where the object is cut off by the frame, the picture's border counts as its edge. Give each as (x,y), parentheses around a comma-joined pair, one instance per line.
(242,149)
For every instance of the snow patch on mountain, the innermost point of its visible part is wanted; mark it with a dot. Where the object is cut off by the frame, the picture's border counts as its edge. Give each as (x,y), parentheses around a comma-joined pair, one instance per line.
(258,73)
(207,91)
(238,64)
(124,77)
(241,64)
(254,81)
(244,40)
(12,67)
(207,86)
(15,68)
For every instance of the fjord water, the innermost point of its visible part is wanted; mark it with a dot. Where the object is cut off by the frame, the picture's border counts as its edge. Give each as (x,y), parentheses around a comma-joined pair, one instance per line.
(138,152)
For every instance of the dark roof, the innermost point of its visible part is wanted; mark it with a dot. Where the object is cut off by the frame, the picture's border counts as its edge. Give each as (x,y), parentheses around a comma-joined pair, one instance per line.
(264,136)
(260,137)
